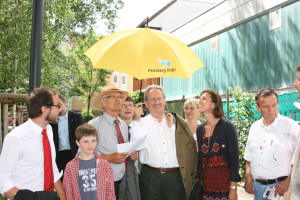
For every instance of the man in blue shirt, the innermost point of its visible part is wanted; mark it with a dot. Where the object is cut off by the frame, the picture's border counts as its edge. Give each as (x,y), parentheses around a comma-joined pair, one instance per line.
(64,134)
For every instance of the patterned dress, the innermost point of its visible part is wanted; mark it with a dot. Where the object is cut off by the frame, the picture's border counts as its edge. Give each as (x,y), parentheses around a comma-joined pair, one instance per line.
(217,174)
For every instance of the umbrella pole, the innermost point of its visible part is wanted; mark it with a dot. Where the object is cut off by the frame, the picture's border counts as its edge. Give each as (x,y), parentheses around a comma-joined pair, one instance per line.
(140,98)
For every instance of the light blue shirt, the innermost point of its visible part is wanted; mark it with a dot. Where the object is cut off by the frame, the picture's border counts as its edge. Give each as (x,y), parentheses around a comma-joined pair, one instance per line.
(63,132)
(108,139)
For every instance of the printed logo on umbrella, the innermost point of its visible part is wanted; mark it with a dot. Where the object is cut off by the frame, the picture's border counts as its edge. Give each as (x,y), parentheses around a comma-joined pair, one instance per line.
(165,67)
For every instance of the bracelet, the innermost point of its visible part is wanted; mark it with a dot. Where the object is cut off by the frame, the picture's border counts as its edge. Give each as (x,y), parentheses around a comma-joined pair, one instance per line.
(233,187)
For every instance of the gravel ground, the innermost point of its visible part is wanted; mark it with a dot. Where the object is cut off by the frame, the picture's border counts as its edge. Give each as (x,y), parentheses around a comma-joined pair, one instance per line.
(242,195)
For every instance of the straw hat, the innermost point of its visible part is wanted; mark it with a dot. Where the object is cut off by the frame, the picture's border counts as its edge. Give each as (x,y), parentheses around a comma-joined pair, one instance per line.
(106,89)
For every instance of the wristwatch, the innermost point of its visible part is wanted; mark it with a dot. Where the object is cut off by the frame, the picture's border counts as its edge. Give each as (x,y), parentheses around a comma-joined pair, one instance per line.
(233,187)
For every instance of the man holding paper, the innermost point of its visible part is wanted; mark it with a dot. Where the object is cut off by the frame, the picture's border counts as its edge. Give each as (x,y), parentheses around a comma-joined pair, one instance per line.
(134,128)
(270,146)
(112,131)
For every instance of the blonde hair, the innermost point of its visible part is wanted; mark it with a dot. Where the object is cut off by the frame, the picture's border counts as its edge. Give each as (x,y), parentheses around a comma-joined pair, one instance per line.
(193,102)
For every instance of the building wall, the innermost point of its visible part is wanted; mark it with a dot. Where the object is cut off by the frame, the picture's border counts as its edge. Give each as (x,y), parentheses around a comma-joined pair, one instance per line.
(224,16)
(249,56)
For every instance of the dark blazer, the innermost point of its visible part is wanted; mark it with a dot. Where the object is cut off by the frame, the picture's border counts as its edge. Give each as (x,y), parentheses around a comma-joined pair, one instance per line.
(227,138)
(75,120)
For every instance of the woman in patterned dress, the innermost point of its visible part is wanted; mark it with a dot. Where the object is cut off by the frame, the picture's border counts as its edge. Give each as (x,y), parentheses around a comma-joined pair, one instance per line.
(222,171)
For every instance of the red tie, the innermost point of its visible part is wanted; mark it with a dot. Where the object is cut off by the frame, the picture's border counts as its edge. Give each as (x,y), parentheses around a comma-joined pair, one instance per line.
(48,171)
(120,136)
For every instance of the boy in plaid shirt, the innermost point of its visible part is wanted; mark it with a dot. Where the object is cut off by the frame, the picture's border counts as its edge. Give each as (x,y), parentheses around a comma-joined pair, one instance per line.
(88,176)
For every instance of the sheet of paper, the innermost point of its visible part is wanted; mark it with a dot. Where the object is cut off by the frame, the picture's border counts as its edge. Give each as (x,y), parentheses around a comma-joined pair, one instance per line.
(270,194)
(131,146)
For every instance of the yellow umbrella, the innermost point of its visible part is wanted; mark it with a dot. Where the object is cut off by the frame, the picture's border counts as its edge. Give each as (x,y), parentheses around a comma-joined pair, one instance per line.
(144,53)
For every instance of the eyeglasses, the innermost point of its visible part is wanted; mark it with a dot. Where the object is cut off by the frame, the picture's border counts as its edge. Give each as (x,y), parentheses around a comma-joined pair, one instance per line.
(57,105)
(266,107)
(156,99)
(113,97)
(127,106)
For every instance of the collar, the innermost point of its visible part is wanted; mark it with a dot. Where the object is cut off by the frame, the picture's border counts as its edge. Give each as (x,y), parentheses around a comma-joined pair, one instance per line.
(155,120)
(64,116)
(274,124)
(110,118)
(36,128)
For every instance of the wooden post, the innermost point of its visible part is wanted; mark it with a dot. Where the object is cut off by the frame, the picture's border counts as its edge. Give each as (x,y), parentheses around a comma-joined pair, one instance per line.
(20,117)
(5,120)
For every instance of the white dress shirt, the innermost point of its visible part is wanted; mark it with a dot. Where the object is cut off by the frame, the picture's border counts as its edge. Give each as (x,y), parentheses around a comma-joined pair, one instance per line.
(22,158)
(160,151)
(270,148)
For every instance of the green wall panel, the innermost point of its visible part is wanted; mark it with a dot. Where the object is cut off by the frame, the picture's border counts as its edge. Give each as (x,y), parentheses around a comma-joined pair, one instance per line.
(249,56)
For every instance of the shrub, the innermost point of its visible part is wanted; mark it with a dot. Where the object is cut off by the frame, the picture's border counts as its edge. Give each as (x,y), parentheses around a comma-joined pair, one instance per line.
(87,116)
(243,116)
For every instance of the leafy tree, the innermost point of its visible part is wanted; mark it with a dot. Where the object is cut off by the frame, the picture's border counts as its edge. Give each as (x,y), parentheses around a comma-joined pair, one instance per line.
(87,80)
(62,18)
(243,116)
(136,96)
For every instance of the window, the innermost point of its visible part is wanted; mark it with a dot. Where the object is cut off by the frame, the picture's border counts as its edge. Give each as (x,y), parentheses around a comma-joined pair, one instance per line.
(275,19)
(116,78)
(214,43)
(124,82)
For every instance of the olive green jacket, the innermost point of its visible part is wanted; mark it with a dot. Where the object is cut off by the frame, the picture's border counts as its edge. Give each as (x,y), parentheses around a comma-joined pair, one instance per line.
(186,150)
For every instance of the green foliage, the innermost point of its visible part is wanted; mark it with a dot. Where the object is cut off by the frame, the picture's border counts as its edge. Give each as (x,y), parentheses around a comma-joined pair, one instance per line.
(243,115)
(87,80)
(87,116)
(136,96)
(62,20)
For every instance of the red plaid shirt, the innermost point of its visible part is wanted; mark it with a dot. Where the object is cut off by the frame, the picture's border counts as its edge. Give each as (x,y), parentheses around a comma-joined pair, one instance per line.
(105,180)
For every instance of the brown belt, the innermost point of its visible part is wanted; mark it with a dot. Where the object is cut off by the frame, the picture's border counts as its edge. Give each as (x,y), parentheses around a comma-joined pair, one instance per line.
(163,170)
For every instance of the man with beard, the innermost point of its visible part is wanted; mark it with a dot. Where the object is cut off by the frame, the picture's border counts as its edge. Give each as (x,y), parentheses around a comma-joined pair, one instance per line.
(27,161)
(64,135)
(112,131)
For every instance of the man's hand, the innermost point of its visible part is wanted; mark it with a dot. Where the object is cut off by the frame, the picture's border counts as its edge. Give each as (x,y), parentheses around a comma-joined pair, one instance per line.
(138,111)
(282,187)
(133,155)
(117,158)
(170,119)
(249,185)
(60,190)
(10,194)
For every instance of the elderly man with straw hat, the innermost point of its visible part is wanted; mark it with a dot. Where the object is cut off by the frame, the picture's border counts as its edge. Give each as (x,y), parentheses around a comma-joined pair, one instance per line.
(112,131)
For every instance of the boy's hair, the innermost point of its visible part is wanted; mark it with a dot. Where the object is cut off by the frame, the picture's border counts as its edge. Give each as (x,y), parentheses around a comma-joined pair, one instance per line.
(129,99)
(85,130)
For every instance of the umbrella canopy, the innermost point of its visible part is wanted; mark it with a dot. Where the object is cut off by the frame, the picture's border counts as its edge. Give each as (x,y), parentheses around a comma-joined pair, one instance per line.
(144,53)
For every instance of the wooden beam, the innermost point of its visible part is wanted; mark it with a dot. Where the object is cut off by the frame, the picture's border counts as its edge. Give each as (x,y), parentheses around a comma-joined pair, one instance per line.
(13,96)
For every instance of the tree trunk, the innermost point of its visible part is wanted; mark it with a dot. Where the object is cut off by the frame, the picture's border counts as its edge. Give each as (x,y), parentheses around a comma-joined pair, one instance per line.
(15,79)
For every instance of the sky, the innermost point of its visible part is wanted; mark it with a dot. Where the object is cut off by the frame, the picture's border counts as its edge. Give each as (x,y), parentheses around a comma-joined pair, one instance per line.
(134,12)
